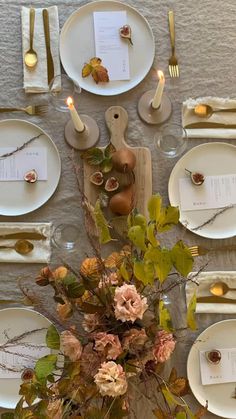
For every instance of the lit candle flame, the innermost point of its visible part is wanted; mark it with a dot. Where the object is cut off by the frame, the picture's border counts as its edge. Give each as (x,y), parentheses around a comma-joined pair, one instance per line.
(160,75)
(69,102)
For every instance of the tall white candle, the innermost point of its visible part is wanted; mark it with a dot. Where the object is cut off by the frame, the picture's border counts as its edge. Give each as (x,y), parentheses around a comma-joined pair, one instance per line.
(159,91)
(78,124)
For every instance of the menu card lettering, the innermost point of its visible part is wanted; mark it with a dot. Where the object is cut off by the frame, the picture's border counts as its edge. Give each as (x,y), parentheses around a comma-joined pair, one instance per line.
(109,46)
(215,192)
(15,166)
(224,372)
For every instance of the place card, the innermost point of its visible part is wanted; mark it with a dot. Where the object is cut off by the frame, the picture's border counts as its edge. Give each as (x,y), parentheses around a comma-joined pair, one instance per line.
(215,192)
(109,46)
(224,372)
(14,167)
(15,358)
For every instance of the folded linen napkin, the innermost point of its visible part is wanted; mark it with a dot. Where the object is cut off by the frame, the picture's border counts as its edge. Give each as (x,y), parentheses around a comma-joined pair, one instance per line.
(205,279)
(210,127)
(36,79)
(42,248)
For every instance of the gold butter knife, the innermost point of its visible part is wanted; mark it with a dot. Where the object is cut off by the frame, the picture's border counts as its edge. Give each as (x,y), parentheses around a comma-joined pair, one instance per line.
(50,64)
(209,125)
(24,235)
(216,300)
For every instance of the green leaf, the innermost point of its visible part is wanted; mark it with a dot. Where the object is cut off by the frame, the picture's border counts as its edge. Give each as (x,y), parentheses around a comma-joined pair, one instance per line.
(137,237)
(144,271)
(29,391)
(101,223)
(164,318)
(154,207)
(94,156)
(169,217)
(69,279)
(106,165)
(140,220)
(116,408)
(191,321)
(7,415)
(181,415)
(95,413)
(109,150)
(53,338)
(45,366)
(124,272)
(151,234)
(75,290)
(41,409)
(182,258)
(161,258)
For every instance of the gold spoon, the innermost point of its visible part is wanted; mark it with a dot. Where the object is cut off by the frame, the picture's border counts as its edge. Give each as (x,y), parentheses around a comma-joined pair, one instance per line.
(205,111)
(220,288)
(23,247)
(31,58)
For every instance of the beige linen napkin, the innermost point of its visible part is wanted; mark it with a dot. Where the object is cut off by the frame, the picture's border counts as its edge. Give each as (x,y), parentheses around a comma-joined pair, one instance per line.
(42,248)
(36,79)
(188,117)
(205,279)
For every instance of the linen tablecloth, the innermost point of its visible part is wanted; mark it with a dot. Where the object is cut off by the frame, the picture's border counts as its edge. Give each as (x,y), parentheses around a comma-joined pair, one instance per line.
(206,49)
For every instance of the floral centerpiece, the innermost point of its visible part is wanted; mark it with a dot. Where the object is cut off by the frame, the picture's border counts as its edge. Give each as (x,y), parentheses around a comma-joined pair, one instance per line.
(124,336)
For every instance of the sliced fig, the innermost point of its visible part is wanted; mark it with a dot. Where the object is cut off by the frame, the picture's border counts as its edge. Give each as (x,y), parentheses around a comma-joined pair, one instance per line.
(111,184)
(31,176)
(197,178)
(213,356)
(125,32)
(97,178)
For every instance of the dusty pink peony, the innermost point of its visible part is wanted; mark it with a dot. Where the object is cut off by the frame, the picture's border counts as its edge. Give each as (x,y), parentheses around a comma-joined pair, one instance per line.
(71,346)
(164,346)
(54,409)
(134,340)
(108,344)
(111,279)
(91,322)
(129,305)
(111,379)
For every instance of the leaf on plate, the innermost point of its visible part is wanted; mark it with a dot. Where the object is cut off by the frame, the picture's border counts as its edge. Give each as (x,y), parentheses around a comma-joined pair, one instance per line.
(98,71)
(86,70)
(95,61)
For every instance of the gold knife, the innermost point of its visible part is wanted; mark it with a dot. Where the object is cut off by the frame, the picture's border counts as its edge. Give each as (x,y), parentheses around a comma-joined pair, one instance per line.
(209,125)
(27,235)
(216,300)
(50,64)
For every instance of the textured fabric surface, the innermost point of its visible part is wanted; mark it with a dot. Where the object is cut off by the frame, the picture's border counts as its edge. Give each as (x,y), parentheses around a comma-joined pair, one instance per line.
(206,49)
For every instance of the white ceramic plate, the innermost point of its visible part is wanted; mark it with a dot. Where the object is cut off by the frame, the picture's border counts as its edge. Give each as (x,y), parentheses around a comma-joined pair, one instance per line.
(16,321)
(209,159)
(19,197)
(77,47)
(220,401)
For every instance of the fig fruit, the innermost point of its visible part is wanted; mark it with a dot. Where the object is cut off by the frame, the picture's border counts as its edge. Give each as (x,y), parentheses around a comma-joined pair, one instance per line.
(124,160)
(125,32)
(96,178)
(122,202)
(196,177)
(111,184)
(213,356)
(31,176)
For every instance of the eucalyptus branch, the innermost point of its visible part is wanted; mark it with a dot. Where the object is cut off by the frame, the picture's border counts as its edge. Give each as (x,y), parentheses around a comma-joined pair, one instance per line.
(3,156)
(212,219)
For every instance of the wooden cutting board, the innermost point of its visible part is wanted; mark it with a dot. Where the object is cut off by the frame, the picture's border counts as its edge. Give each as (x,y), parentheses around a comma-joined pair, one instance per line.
(117,121)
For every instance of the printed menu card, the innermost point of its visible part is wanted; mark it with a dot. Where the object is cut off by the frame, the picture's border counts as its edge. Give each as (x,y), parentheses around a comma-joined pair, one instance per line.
(224,372)
(15,166)
(109,46)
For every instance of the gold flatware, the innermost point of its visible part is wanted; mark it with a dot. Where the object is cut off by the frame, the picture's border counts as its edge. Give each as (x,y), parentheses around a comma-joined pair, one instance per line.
(205,111)
(10,301)
(173,62)
(23,247)
(23,235)
(205,124)
(50,64)
(31,58)
(201,250)
(30,110)
(220,288)
(216,300)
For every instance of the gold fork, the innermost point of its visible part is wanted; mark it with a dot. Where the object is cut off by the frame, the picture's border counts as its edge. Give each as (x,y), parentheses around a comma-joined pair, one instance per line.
(30,110)
(173,62)
(201,251)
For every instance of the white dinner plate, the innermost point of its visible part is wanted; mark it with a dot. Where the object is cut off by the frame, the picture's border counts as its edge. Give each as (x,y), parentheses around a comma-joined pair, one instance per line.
(77,46)
(210,159)
(20,197)
(220,401)
(14,322)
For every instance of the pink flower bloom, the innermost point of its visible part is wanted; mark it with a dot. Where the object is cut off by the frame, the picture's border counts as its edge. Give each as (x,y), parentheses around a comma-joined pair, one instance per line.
(91,322)
(111,279)
(164,346)
(111,379)
(134,340)
(108,344)
(129,305)
(71,346)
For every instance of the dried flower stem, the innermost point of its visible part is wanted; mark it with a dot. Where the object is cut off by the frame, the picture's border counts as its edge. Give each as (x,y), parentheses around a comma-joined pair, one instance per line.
(3,156)
(212,219)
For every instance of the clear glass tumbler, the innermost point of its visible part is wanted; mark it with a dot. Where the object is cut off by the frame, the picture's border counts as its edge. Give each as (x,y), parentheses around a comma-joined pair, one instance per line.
(171,141)
(58,96)
(66,236)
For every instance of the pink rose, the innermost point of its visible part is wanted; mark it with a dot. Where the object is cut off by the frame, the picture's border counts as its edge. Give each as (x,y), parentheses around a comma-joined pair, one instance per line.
(111,379)
(91,322)
(164,346)
(108,344)
(70,346)
(134,340)
(129,305)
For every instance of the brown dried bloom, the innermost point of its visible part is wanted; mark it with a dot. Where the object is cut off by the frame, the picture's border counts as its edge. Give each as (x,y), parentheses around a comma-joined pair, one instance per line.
(108,344)
(91,322)
(71,346)
(134,340)
(60,273)
(64,311)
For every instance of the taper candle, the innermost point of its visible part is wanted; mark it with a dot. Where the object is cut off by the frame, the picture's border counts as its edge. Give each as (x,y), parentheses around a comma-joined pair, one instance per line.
(156,102)
(78,124)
